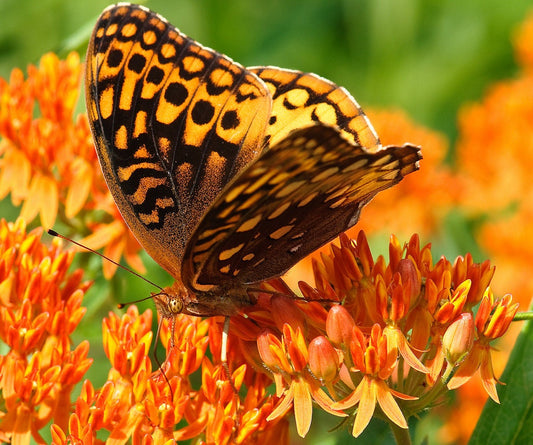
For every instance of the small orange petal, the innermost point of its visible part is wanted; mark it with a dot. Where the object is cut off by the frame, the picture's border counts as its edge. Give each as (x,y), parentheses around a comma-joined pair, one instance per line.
(349,401)
(388,404)
(43,199)
(303,407)
(284,404)
(79,187)
(367,405)
(15,175)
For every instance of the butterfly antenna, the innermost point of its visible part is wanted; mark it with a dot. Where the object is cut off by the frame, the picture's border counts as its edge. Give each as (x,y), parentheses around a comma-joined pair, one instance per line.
(123,305)
(58,235)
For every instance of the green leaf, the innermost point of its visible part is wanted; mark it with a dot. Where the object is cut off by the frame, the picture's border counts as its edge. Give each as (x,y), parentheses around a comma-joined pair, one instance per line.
(511,422)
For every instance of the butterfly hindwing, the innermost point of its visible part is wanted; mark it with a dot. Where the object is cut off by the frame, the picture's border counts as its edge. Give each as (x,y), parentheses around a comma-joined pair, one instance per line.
(297,196)
(173,122)
(303,99)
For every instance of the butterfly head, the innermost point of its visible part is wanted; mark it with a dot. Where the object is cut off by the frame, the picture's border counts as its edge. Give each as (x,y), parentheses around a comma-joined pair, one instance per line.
(169,303)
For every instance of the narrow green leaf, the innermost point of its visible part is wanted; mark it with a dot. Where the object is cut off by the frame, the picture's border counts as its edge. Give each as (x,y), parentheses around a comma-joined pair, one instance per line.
(511,422)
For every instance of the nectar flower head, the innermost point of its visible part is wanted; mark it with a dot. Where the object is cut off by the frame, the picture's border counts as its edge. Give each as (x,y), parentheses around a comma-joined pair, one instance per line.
(386,332)
(40,306)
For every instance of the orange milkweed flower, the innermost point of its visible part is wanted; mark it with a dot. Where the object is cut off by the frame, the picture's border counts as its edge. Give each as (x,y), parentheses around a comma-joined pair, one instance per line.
(497,132)
(146,406)
(45,159)
(522,43)
(288,359)
(40,306)
(494,132)
(335,356)
(407,304)
(492,320)
(376,361)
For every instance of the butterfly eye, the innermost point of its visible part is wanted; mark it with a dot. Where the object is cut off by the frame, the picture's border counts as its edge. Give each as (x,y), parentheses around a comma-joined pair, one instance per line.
(168,304)
(175,305)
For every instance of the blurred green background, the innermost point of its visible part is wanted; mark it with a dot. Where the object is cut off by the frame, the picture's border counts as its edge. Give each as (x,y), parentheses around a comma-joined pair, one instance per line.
(427,57)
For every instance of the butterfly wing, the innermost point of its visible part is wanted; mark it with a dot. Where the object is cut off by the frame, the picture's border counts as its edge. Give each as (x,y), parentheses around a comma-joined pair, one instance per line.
(296,197)
(173,122)
(303,99)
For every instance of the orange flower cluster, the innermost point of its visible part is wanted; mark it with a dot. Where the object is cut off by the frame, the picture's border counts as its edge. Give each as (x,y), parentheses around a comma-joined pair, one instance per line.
(50,158)
(147,406)
(388,338)
(400,330)
(47,163)
(40,306)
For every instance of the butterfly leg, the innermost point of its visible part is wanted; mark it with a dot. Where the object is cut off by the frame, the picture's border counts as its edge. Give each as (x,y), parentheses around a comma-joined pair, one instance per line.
(224,353)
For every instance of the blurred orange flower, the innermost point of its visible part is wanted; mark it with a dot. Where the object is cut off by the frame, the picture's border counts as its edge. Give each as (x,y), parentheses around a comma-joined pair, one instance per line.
(418,203)
(522,42)
(45,159)
(494,159)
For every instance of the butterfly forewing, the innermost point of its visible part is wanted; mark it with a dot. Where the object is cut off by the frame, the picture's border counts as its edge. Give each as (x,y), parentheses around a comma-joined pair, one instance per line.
(303,99)
(173,122)
(297,196)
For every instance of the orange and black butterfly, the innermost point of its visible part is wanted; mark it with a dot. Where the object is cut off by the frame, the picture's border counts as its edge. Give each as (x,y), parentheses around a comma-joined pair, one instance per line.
(227,175)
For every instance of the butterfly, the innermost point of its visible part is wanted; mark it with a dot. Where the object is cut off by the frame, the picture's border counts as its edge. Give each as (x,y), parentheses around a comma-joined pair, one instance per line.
(227,175)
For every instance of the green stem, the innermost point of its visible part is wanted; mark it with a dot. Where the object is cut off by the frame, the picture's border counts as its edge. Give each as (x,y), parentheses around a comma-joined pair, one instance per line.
(438,390)
(401,435)
(521,316)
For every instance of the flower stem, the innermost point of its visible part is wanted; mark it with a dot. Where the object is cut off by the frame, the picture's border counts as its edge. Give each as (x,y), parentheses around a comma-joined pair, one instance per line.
(521,316)
(401,435)
(436,391)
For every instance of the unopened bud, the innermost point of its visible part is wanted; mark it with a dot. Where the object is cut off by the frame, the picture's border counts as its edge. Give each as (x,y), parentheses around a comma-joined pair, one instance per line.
(339,325)
(323,359)
(459,339)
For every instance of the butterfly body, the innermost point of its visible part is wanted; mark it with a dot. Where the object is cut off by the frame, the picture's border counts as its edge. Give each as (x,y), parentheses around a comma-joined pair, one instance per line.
(177,299)
(227,176)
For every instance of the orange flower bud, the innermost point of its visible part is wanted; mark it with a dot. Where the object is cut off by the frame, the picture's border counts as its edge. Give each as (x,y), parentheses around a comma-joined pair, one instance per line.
(459,338)
(323,359)
(410,276)
(339,325)
(265,344)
